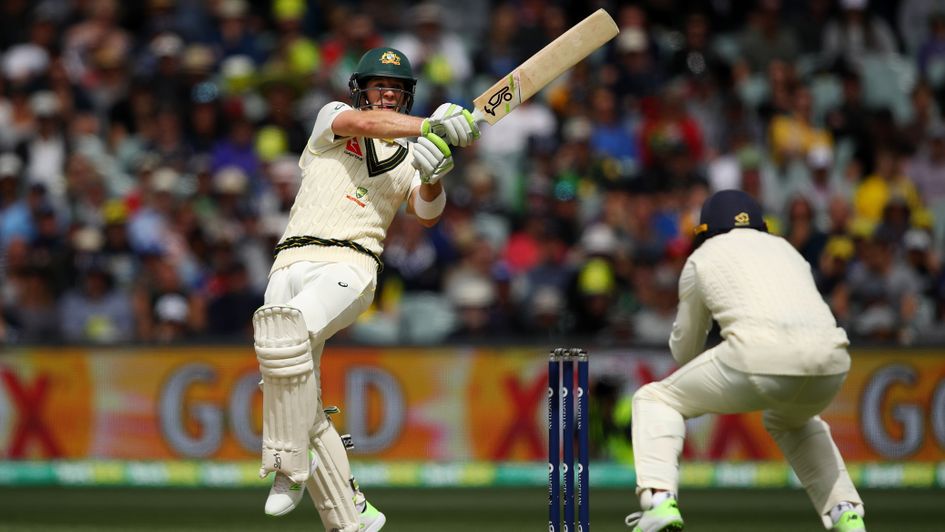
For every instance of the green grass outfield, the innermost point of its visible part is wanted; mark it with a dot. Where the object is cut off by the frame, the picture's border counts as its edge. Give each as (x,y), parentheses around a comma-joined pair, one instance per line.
(440,510)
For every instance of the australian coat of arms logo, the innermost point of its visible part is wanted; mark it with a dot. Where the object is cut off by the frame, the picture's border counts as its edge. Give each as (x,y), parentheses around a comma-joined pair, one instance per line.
(358,197)
(390,58)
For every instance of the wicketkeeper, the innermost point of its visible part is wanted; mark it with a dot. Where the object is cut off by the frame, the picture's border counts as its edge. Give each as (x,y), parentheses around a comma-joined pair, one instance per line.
(781,353)
(357,170)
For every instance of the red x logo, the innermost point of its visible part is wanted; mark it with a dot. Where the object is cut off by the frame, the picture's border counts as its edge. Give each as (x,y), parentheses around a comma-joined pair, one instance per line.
(730,430)
(525,398)
(28,401)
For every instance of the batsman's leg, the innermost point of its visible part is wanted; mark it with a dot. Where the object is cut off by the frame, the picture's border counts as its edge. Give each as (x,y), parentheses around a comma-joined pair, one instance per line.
(331,296)
(290,392)
(332,488)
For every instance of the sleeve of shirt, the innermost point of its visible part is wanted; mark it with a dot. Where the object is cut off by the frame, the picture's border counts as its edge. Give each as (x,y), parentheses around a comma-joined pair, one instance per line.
(693,319)
(322,135)
(416,181)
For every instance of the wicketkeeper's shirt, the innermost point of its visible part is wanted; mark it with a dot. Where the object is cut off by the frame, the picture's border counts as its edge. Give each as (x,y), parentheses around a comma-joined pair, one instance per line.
(352,187)
(761,292)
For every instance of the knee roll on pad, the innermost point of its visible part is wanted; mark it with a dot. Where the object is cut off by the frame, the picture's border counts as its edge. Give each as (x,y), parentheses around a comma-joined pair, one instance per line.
(290,396)
(330,486)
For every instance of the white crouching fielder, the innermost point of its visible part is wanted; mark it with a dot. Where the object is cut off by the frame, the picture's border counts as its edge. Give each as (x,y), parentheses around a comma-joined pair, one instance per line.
(782,353)
(357,170)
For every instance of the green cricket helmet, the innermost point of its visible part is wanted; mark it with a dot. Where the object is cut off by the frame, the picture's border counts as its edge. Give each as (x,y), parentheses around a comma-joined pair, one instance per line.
(382,63)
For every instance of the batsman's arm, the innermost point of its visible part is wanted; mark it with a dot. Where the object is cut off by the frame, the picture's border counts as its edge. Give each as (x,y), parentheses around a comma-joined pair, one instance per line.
(458,128)
(376,124)
(693,319)
(426,198)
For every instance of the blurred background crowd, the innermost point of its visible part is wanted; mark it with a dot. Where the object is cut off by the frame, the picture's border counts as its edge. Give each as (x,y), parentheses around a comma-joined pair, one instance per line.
(148,159)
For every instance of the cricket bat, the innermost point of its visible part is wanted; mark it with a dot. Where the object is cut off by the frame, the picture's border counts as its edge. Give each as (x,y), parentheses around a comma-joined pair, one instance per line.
(542,68)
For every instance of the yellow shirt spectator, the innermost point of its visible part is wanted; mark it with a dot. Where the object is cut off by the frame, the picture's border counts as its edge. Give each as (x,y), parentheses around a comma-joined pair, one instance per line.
(875,192)
(792,137)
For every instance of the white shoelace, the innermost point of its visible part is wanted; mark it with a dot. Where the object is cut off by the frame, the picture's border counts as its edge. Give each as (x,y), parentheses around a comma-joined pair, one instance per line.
(634,518)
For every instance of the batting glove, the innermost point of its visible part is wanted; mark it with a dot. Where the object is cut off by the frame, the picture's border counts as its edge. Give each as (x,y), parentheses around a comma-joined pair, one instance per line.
(432,158)
(452,123)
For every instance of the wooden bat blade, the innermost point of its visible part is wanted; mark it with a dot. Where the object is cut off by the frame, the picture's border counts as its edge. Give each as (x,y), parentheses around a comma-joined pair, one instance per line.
(547,64)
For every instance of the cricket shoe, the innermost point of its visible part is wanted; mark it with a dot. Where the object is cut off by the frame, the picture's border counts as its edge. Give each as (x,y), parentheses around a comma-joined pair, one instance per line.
(850,521)
(664,517)
(285,495)
(372,519)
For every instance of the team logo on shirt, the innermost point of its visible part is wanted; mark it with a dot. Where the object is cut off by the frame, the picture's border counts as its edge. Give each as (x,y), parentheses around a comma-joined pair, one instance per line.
(742,219)
(353,148)
(390,58)
(359,194)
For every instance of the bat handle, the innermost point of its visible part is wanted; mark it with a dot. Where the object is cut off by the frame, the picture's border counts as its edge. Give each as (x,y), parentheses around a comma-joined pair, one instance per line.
(478,116)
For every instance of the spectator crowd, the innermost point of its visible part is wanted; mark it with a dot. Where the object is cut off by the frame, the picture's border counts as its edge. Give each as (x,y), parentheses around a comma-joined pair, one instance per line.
(149,156)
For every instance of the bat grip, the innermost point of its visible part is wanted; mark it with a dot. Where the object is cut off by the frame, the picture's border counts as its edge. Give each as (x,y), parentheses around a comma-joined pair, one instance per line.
(478,116)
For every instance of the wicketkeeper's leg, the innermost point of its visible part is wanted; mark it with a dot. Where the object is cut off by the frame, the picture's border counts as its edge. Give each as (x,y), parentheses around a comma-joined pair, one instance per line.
(812,453)
(658,433)
(660,408)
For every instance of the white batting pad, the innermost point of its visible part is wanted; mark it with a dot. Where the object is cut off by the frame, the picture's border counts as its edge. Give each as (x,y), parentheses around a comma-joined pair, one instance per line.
(330,487)
(290,394)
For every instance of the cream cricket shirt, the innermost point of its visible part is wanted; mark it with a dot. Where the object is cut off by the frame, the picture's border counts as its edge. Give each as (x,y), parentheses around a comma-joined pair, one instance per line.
(761,292)
(351,189)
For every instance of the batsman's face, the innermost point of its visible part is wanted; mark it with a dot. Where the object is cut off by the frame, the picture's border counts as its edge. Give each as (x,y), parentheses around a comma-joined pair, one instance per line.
(384,93)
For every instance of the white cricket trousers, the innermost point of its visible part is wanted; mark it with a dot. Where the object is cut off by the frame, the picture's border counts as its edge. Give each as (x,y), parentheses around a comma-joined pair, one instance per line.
(330,295)
(791,405)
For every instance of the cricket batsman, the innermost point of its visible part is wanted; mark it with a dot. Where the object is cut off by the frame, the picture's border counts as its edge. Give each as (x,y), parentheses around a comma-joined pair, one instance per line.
(782,353)
(358,168)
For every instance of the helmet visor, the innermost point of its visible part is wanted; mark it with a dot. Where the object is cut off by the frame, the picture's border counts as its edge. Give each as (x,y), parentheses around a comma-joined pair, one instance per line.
(383,93)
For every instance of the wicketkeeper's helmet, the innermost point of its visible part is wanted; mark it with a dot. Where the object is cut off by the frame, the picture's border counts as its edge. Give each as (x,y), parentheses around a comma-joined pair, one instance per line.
(382,63)
(726,210)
